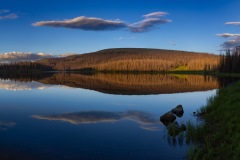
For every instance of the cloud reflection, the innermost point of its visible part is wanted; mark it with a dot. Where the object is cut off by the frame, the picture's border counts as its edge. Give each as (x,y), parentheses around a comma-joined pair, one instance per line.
(147,120)
(19,86)
(5,125)
(6,14)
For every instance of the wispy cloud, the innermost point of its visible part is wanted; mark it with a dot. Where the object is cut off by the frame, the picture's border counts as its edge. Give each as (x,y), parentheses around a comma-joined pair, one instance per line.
(232,43)
(84,23)
(150,128)
(227,35)
(4,11)
(147,24)
(233,23)
(97,24)
(151,21)
(6,14)
(155,14)
(6,125)
(233,38)
(125,38)
(173,43)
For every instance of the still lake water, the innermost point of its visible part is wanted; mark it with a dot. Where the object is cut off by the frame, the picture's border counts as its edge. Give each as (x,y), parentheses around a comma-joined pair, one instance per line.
(104,116)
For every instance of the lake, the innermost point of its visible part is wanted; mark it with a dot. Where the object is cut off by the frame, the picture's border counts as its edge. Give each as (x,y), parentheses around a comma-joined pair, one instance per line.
(102,116)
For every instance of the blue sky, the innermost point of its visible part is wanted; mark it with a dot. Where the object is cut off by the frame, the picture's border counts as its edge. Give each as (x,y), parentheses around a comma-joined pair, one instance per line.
(80,26)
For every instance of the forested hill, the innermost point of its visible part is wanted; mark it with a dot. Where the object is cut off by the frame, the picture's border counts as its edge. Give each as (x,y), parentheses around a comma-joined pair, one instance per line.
(135,59)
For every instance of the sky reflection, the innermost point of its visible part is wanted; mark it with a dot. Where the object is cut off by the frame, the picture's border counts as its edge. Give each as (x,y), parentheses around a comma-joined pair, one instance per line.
(20,86)
(6,125)
(66,120)
(143,118)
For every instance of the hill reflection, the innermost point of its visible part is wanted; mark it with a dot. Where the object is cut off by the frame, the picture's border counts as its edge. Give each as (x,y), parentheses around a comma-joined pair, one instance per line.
(126,84)
(135,84)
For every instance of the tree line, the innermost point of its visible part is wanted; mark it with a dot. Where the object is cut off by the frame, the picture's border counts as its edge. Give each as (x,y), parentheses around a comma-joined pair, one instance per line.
(23,67)
(230,61)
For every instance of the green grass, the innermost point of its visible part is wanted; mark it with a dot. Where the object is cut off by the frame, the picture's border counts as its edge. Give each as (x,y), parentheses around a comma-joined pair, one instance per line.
(181,76)
(181,68)
(219,136)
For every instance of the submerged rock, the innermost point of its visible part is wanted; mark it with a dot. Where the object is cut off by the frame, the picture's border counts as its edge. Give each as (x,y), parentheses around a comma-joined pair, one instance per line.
(183,127)
(174,129)
(167,118)
(178,111)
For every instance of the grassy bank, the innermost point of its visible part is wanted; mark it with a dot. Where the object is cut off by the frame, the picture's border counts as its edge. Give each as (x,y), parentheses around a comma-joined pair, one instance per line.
(219,136)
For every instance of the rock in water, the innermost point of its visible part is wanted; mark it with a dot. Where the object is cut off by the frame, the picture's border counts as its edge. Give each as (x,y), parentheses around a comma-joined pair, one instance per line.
(167,118)
(174,129)
(178,111)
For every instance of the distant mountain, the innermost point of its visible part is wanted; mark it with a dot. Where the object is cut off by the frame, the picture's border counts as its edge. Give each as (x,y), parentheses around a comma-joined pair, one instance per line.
(134,59)
(27,56)
(22,56)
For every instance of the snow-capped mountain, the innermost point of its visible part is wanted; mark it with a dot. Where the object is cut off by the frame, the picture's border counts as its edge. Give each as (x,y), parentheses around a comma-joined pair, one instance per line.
(23,56)
(26,56)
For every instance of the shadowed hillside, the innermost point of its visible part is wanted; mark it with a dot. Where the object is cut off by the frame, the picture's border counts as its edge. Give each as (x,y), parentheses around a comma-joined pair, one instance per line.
(135,59)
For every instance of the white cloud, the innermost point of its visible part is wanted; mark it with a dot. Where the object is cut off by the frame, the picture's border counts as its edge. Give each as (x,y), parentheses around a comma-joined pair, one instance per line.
(232,43)
(227,35)
(147,24)
(125,38)
(151,21)
(155,14)
(235,38)
(84,23)
(97,24)
(233,23)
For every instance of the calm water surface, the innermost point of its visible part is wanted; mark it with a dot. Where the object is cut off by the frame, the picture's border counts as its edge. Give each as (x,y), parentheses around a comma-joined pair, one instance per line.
(72,116)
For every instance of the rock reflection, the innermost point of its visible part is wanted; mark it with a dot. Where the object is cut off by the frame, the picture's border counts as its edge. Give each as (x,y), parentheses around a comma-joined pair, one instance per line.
(175,132)
(146,120)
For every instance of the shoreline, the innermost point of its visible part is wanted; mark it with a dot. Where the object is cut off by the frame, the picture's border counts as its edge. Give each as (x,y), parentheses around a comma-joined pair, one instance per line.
(218,137)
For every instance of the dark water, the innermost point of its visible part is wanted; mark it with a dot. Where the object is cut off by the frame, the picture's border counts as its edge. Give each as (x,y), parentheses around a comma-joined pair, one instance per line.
(104,116)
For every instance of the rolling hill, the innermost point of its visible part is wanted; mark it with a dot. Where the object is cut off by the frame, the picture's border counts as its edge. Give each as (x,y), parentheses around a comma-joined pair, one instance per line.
(134,59)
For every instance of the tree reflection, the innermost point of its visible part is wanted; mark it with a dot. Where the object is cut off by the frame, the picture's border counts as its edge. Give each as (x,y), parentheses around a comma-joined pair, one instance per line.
(126,84)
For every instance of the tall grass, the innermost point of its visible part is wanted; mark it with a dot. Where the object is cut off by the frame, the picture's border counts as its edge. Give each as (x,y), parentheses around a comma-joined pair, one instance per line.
(219,136)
